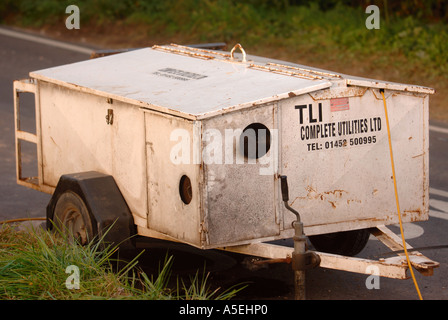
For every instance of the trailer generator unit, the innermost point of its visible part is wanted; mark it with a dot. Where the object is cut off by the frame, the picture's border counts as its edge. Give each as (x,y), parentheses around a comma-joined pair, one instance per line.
(191,145)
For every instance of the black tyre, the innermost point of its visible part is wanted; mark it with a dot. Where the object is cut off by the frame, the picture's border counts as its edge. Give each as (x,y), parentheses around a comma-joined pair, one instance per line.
(90,207)
(347,243)
(72,217)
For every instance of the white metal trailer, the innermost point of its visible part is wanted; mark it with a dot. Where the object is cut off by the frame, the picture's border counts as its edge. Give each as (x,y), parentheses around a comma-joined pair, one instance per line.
(171,125)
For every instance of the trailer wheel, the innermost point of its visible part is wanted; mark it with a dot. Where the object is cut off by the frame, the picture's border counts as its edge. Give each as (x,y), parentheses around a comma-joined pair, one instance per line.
(89,206)
(72,217)
(347,243)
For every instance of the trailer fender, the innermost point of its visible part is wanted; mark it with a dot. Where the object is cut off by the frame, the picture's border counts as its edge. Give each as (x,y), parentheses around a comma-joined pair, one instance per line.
(107,211)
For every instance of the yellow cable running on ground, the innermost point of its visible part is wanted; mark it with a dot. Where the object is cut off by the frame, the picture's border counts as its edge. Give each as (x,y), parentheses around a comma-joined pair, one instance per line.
(396,197)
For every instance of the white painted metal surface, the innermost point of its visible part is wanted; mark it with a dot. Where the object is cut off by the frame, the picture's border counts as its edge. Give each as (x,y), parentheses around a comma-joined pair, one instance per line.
(75,136)
(335,153)
(176,84)
(179,111)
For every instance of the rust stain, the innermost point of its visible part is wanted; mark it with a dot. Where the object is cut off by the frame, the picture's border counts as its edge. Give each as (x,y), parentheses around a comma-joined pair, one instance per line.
(282,71)
(189,52)
(336,192)
(333,197)
(53,140)
(406,212)
(419,155)
(309,71)
(223,54)
(332,204)
(353,200)
(356,221)
(329,196)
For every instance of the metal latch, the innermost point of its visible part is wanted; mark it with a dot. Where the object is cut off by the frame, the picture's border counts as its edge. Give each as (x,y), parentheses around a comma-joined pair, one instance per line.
(110,116)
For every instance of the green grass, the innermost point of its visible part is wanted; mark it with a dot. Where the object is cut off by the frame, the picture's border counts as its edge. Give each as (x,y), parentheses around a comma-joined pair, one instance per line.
(33,267)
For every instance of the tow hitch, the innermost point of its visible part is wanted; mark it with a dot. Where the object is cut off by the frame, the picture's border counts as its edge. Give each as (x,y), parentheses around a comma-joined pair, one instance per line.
(302,259)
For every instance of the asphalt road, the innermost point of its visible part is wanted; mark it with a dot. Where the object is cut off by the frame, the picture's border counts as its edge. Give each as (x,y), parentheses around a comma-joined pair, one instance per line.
(20,56)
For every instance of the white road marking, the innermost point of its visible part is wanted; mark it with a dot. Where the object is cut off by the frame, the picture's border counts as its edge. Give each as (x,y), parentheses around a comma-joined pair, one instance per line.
(438,192)
(438,129)
(412,230)
(49,42)
(441,207)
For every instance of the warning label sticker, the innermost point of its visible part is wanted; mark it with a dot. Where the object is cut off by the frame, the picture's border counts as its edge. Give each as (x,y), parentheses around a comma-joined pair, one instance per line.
(179,74)
(339,104)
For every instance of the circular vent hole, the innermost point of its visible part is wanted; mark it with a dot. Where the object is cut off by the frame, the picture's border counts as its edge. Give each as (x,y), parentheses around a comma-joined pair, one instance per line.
(185,190)
(255,141)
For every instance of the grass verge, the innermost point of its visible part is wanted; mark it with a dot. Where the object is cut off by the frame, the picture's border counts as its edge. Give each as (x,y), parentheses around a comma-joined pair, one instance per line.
(33,266)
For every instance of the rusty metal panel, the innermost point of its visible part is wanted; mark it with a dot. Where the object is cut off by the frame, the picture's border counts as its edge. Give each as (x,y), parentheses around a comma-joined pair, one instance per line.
(170,144)
(335,153)
(369,83)
(241,192)
(77,137)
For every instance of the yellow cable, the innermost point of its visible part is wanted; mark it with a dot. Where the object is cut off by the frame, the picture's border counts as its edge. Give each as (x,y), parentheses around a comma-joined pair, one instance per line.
(396,198)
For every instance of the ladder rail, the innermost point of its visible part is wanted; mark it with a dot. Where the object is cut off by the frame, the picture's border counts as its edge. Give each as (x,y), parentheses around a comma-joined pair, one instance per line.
(37,183)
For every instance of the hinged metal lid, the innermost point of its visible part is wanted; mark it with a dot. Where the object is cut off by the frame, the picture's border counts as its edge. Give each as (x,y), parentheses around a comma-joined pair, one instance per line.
(181,83)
